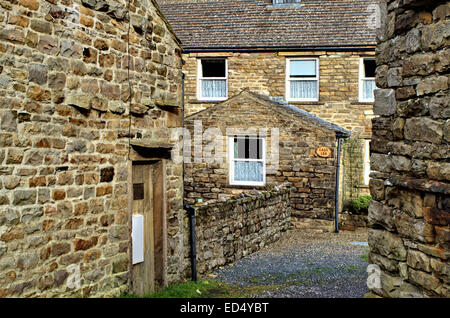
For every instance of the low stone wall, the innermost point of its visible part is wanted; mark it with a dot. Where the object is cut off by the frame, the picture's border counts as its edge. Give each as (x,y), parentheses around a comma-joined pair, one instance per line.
(351,221)
(314,225)
(227,231)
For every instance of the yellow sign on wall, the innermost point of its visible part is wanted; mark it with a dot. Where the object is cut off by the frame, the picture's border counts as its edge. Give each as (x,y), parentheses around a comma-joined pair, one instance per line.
(324,152)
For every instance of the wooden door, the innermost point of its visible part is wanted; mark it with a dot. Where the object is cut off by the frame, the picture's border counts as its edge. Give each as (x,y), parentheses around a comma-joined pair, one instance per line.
(149,200)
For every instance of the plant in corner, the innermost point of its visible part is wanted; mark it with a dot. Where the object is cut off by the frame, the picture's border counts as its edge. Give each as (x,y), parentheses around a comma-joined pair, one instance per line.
(361,204)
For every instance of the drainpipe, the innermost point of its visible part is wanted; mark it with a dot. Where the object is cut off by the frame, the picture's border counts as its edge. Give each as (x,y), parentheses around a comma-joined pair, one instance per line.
(190,210)
(182,129)
(336,199)
(191,214)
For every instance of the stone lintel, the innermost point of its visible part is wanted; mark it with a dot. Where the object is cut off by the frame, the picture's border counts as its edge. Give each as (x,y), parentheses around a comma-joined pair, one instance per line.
(151,144)
(167,103)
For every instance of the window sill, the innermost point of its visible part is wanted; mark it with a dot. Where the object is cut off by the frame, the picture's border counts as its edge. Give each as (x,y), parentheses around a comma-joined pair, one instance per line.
(245,187)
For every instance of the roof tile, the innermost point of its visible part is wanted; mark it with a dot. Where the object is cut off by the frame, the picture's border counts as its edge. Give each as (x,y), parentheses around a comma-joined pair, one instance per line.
(252,24)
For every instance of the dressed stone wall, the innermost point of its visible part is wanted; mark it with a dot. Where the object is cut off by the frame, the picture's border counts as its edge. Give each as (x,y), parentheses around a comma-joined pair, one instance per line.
(265,73)
(292,158)
(78,79)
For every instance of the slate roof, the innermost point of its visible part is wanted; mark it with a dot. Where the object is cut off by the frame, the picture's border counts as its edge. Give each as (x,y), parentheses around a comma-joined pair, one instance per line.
(279,105)
(255,24)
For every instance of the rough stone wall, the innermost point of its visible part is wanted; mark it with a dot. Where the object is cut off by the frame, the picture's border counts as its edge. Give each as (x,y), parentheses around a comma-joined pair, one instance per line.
(228,231)
(68,80)
(312,176)
(410,215)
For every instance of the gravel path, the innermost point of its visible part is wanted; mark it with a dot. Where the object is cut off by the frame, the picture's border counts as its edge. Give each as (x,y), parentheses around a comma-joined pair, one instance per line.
(304,265)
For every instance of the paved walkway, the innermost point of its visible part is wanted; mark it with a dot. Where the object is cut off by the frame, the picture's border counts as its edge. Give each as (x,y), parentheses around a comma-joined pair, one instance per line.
(304,265)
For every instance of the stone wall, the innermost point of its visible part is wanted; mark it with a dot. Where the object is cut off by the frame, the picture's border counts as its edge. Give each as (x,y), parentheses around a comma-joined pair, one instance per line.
(410,213)
(77,80)
(227,231)
(312,176)
(350,222)
(265,73)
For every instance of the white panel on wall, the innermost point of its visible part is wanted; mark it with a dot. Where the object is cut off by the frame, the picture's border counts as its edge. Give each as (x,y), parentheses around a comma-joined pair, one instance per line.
(137,236)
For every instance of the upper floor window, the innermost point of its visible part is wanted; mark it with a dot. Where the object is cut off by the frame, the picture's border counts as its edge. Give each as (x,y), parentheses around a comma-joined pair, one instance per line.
(212,79)
(302,79)
(247,162)
(367,68)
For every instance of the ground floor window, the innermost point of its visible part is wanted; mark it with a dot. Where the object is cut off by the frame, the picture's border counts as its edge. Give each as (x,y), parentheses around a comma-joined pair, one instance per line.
(247,162)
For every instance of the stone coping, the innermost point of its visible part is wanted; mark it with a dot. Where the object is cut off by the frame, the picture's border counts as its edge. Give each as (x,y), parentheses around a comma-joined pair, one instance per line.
(252,198)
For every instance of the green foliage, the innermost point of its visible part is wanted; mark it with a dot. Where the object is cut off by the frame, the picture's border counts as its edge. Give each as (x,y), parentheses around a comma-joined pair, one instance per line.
(189,289)
(365,257)
(206,289)
(353,167)
(361,204)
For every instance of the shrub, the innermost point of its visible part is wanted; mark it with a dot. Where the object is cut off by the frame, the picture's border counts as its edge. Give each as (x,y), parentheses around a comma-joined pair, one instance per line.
(361,205)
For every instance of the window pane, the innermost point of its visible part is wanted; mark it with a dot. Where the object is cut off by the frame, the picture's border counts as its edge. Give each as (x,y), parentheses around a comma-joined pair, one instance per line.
(304,89)
(248,148)
(302,68)
(369,67)
(248,171)
(213,68)
(214,88)
(368,87)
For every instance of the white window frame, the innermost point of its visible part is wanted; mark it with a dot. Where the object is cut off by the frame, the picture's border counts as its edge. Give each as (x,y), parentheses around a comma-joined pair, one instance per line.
(288,79)
(361,80)
(200,78)
(231,161)
(367,169)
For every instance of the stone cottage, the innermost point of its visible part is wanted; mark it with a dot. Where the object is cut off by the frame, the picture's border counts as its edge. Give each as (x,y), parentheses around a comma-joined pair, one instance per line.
(89,93)
(409,216)
(255,142)
(316,55)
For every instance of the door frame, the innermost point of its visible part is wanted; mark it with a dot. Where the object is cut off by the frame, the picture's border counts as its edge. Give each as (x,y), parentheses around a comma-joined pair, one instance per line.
(146,161)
